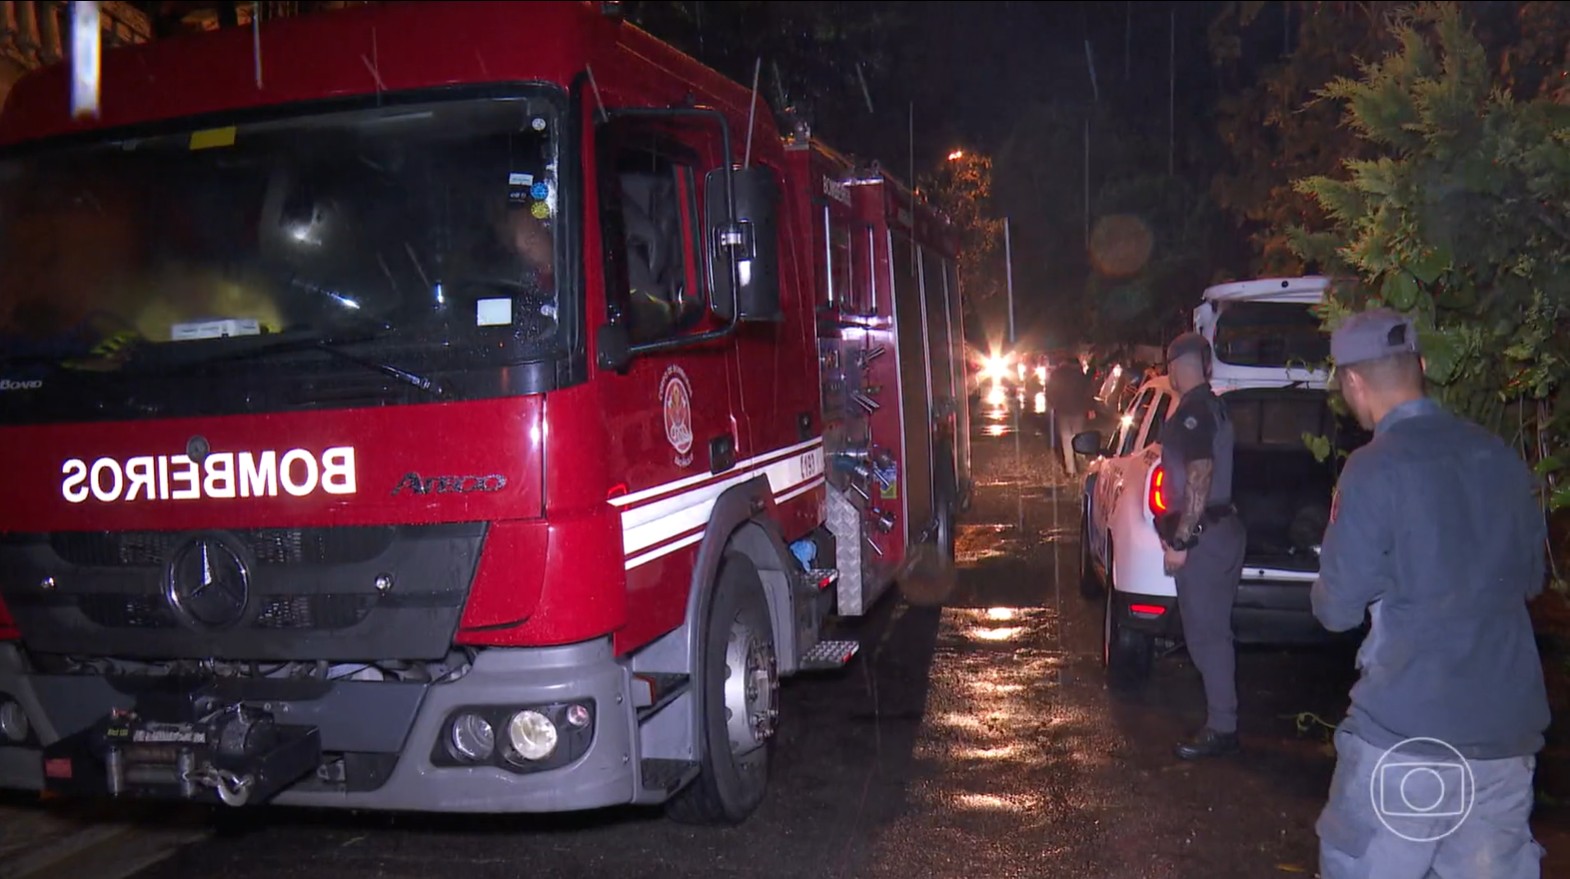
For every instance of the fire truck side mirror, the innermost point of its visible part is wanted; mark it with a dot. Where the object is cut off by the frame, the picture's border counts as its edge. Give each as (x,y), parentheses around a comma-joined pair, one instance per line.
(744,249)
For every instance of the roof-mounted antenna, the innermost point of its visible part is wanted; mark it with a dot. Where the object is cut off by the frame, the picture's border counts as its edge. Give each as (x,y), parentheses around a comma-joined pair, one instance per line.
(752,109)
(256,40)
(598,101)
(779,85)
(865,92)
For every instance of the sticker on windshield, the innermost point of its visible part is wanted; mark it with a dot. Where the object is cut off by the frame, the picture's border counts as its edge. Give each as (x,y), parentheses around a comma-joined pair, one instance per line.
(540,190)
(538,123)
(493,312)
(518,186)
(540,210)
(215,329)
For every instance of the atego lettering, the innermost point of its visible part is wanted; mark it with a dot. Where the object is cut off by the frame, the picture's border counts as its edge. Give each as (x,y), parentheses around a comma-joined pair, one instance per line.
(414,484)
(219,475)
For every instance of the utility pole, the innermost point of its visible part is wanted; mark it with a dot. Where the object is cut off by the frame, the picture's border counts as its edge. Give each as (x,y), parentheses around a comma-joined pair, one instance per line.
(1019,452)
(1008,271)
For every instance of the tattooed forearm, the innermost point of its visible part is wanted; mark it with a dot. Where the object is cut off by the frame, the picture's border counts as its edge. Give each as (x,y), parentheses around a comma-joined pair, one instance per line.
(1196,496)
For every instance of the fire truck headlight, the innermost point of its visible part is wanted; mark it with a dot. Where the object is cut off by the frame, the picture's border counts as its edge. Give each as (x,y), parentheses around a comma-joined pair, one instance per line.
(13,721)
(532,735)
(472,738)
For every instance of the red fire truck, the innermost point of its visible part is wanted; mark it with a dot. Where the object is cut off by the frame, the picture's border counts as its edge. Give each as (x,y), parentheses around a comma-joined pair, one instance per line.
(466,407)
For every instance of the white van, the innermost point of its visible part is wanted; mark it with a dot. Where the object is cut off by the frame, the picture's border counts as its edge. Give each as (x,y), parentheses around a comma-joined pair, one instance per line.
(1269,369)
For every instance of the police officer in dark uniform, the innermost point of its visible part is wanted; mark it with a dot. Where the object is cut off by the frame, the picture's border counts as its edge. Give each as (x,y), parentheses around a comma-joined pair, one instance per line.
(1204,538)
(1436,534)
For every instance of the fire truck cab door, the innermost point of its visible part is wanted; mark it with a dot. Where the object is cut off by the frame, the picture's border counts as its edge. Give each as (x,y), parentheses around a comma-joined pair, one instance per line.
(670,416)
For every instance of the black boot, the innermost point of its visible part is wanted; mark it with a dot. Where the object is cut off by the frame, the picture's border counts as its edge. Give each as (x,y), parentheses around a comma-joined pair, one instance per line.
(1208,743)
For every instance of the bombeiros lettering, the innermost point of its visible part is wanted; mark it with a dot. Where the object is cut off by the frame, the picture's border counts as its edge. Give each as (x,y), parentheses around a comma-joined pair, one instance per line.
(836,190)
(218,475)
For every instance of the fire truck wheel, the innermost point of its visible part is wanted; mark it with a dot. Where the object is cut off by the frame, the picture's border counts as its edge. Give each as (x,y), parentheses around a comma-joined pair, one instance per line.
(738,701)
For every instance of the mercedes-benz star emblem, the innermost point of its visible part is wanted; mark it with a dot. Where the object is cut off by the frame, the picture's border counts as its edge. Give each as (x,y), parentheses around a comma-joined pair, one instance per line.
(208,583)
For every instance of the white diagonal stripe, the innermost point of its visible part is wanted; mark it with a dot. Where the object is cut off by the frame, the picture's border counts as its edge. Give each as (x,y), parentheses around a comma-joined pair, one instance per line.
(791,472)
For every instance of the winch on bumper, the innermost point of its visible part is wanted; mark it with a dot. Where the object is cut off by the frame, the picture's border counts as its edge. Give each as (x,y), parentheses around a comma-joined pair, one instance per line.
(187,746)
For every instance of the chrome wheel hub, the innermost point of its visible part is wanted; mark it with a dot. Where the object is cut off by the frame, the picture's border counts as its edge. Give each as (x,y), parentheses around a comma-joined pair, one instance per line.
(751,689)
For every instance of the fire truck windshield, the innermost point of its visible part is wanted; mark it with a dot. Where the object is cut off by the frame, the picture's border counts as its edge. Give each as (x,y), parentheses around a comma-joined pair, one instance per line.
(430,225)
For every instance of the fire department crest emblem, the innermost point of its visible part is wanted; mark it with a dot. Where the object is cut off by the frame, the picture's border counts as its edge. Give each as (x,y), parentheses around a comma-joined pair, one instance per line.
(676,401)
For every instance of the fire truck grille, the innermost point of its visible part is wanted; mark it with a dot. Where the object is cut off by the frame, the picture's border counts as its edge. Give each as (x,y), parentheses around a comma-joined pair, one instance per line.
(285,594)
(127,611)
(267,546)
(279,612)
(314,611)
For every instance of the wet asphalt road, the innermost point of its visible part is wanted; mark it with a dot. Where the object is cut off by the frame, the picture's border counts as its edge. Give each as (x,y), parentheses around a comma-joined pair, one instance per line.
(975,739)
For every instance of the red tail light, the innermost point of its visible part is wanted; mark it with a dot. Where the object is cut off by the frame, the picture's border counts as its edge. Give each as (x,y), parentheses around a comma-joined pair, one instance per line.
(8,629)
(1158,491)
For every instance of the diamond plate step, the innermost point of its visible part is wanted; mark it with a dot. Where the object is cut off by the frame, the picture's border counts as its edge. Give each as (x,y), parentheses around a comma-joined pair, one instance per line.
(827,655)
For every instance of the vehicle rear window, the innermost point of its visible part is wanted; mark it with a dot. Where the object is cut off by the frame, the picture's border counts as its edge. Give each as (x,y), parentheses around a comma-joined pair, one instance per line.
(1270,334)
(1281,418)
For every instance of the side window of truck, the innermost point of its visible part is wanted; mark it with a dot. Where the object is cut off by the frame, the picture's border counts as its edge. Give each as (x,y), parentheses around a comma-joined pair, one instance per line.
(649,211)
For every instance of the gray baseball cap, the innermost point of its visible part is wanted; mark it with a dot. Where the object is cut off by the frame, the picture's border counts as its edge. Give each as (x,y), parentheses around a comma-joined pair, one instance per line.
(1185,344)
(1373,334)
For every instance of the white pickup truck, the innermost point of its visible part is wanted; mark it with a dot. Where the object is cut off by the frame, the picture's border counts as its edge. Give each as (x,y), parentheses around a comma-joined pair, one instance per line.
(1269,350)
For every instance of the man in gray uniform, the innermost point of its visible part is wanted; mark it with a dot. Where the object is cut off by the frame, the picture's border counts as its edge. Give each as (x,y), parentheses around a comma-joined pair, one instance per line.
(1435,532)
(1204,537)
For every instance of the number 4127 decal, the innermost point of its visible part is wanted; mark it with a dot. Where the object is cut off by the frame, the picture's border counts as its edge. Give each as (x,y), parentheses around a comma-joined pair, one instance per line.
(811,464)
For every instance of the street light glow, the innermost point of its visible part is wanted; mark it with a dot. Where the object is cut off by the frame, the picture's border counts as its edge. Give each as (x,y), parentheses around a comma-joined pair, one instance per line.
(956,155)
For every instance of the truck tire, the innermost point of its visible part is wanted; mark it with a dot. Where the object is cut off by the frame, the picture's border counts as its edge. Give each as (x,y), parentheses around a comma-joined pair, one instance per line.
(1125,654)
(738,702)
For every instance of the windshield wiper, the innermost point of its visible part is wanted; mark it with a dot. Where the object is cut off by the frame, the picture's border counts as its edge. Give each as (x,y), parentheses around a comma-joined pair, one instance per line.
(429,385)
(332,345)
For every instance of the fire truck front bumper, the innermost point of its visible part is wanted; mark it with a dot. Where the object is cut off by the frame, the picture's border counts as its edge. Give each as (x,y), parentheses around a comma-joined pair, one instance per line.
(529,730)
